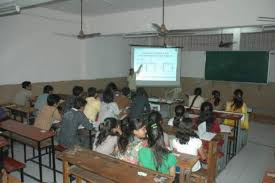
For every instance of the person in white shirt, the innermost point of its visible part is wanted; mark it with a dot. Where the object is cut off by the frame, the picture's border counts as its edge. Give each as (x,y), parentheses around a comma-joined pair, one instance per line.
(24,96)
(179,116)
(108,108)
(187,142)
(196,100)
(132,78)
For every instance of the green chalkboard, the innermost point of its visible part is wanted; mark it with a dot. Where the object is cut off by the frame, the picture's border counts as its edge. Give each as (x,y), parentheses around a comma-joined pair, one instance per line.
(239,66)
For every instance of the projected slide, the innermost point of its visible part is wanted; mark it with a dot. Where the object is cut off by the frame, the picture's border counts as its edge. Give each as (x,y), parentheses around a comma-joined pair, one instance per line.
(158,64)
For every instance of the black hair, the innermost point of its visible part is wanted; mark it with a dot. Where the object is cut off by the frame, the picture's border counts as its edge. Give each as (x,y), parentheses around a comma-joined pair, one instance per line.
(105,129)
(125,91)
(127,127)
(79,102)
(179,115)
(108,96)
(237,99)
(185,133)
(92,92)
(131,69)
(77,90)
(156,143)
(216,94)
(53,99)
(141,92)
(206,114)
(111,86)
(47,89)
(25,84)
(197,91)
(154,117)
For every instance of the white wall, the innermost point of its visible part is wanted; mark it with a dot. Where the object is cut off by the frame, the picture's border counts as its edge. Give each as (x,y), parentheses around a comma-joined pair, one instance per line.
(107,57)
(30,49)
(218,13)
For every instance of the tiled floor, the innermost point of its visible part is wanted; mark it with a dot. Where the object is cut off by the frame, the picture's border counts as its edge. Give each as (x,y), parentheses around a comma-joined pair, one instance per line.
(247,167)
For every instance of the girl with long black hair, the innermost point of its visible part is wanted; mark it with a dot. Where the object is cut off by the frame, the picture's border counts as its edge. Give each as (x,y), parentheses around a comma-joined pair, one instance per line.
(132,139)
(156,156)
(107,137)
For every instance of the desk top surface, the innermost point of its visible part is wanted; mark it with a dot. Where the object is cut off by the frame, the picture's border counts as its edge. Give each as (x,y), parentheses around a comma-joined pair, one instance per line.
(27,131)
(186,161)
(111,168)
(3,142)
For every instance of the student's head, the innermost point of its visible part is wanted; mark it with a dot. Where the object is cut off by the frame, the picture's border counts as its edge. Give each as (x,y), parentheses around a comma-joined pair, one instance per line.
(92,92)
(238,99)
(125,91)
(112,86)
(48,89)
(53,100)
(79,103)
(27,85)
(77,91)
(141,92)
(131,128)
(179,115)
(206,114)
(197,91)
(156,142)
(216,96)
(110,126)
(131,71)
(108,96)
(186,133)
(155,117)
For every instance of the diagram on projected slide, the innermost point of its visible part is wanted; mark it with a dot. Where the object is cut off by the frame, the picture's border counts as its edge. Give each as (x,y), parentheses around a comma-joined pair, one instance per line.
(160,65)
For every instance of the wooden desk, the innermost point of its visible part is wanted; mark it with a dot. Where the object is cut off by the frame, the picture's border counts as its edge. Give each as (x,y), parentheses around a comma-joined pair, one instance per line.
(227,115)
(186,163)
(34,134)
(22,111)
(108,167)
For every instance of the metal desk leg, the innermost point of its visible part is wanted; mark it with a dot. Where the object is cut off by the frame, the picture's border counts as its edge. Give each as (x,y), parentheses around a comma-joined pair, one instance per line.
(40,163)
(53,156)
(235,138)
(12,152)
(239,137)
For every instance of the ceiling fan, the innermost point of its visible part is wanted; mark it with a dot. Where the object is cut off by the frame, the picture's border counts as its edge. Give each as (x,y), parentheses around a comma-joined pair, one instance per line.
(81,34)
(225,44)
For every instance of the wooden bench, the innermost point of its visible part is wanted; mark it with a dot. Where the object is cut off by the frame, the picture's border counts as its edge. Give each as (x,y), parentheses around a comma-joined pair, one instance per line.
(58,150)
(12,165)
(208,175)
(88,176)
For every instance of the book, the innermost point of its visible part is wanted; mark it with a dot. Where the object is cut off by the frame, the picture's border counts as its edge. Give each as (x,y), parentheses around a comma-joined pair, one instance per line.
(203,134)
(225,128)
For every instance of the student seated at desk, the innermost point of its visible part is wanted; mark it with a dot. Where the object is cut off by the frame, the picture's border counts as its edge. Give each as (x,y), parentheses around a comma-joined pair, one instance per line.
(70,122)
(24,96)
(237,105)
(140,104)
(155,117)
(107,137)
(179,116)
(69,103)
(215,100)
(122,98)
(195,100)
(108,108)
(49,113)
(188,142)
(131,140)
(156,156)
(206,115)
(92,107)
(42,99)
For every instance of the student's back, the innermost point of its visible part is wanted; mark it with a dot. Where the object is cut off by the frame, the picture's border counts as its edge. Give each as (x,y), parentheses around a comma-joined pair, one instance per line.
(42,99)
(77,91)
(196,100)
(24,96)
(92,107)
(140,104)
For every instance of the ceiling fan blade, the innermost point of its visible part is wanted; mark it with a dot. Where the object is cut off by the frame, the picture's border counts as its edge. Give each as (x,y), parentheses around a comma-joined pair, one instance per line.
(272,18)
(156,27)
(92,35)
(66,35)
(266,20)
(226,44)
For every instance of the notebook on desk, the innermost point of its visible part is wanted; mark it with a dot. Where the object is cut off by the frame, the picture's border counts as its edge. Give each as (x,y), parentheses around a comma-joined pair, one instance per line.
(203,134)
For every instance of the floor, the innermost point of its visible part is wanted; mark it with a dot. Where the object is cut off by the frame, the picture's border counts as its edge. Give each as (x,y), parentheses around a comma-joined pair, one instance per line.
(247,167)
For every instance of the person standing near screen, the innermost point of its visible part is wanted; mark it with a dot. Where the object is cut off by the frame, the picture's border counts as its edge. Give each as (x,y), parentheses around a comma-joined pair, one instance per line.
(132,78)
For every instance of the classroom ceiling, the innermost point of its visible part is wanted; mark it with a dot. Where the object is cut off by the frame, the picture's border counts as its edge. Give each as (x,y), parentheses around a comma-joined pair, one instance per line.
(99,7)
